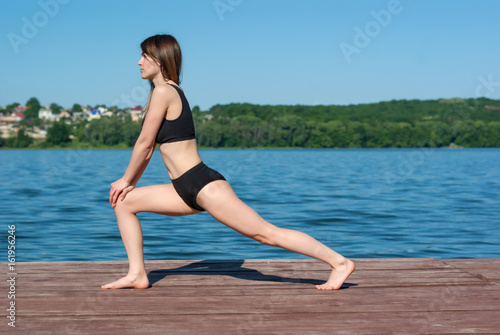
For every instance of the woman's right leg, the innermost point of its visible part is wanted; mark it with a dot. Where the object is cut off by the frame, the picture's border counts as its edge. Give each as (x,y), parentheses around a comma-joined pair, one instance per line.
(161,199)
(220,201)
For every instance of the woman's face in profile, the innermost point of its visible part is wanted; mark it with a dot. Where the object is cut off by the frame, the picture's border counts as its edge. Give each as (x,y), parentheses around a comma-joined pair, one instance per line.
(149,67)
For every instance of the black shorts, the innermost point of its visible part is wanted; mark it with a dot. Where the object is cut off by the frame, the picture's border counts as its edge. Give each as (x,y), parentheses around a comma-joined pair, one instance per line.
(192,181)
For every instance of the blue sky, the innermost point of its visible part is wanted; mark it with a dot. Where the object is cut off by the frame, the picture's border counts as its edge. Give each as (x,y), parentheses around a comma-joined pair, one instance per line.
(257,51)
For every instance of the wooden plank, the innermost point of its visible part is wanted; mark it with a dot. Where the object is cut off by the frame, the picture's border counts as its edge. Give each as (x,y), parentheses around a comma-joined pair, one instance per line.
(334,322)
(369,300)
(485,268)
(445,293)
(75,281)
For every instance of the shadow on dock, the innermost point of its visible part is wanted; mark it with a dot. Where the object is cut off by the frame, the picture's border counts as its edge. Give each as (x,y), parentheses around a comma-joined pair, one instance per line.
(231,268)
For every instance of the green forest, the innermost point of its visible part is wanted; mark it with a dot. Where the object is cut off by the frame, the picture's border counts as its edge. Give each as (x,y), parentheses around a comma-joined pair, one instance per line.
(390,124)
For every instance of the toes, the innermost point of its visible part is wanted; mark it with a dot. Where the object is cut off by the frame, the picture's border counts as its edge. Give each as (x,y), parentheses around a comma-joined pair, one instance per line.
(324,287)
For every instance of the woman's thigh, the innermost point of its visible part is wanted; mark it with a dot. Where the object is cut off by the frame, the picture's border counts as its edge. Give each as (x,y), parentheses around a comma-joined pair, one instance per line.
(161,199)
(220,201)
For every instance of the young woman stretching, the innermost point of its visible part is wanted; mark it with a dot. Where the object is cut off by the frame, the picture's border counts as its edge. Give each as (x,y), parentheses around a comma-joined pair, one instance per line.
(195,187)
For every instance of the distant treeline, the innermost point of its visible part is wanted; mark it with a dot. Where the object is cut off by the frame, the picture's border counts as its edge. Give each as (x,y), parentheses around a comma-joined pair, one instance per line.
(392,124)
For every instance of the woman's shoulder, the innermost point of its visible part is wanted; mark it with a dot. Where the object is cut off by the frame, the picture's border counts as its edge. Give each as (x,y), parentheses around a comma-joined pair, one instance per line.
(165,91)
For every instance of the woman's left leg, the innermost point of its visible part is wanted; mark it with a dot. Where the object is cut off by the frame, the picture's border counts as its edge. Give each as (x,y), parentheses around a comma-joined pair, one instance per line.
(220,201)
(161,199)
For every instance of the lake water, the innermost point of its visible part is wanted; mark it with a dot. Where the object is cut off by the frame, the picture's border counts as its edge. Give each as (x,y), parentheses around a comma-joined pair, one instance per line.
(363,203)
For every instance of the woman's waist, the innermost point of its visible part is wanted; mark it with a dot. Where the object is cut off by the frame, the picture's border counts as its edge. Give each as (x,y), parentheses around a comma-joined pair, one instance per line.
(178,171)
(178,162)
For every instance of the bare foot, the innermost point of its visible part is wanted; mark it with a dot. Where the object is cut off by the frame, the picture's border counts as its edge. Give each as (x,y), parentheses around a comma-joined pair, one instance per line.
(338,276)
(129,281)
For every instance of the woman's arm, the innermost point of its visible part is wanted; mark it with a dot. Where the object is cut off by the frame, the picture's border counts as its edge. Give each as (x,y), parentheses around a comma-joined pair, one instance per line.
(144,146)
(141,170)
(122,186)
(141,155)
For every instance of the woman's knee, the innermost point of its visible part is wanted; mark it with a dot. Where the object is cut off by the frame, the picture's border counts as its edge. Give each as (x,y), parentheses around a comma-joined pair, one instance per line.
(268,236)
(125,205)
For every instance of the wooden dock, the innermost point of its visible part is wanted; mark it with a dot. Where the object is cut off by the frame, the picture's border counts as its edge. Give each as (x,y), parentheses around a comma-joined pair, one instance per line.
(383,296)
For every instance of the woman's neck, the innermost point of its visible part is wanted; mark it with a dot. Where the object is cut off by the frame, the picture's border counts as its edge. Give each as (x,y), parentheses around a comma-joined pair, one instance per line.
(159,80)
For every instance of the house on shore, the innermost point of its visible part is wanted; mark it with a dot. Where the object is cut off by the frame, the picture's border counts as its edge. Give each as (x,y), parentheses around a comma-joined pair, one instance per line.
(135,112)
(18,116)
(97,113)
(66,114)
(19,109)
(9,124)
(45,113)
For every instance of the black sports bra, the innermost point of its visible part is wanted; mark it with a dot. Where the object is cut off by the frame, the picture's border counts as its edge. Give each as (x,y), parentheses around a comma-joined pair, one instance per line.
(180,129)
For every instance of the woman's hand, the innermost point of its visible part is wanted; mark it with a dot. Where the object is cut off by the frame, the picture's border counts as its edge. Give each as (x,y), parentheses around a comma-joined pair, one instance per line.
(119,189)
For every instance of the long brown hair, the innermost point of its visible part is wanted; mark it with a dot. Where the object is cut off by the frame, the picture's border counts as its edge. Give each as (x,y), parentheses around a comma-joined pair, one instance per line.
(166,51)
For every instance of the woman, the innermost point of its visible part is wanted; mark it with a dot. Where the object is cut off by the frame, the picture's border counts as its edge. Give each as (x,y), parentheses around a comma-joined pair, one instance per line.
(195,187)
